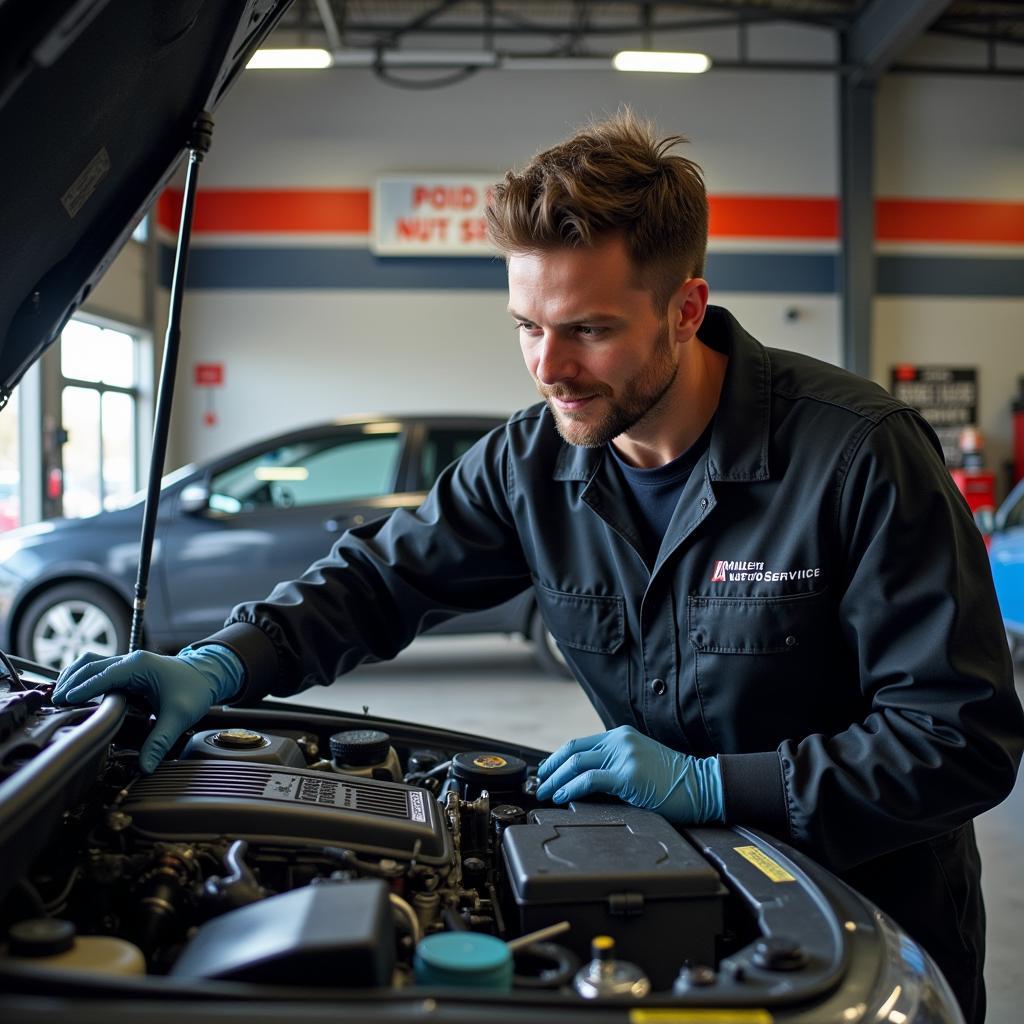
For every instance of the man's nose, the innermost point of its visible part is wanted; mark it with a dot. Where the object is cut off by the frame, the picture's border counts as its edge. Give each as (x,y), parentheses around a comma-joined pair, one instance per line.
(556,362)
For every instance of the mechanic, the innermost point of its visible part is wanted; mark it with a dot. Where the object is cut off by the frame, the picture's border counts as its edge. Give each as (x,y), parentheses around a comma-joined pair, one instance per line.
(755,563)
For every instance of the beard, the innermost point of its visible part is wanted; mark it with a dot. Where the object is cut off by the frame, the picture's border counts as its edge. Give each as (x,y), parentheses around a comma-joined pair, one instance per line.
(639,397)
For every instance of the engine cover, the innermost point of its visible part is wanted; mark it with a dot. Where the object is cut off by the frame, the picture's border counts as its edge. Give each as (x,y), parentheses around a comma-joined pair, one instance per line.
(196,800)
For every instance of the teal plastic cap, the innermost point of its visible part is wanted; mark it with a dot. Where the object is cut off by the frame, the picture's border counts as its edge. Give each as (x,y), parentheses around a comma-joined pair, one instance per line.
(463,959)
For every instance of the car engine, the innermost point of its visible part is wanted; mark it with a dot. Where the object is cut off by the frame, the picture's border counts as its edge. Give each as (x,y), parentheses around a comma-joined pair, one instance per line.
(251,857)
(286,851)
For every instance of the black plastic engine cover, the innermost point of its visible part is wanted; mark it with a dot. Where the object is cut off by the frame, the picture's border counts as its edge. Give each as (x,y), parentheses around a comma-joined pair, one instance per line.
(197,800)
(339,934)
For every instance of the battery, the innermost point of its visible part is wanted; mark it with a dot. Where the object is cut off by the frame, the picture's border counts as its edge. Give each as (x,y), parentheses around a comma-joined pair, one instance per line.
(620,871)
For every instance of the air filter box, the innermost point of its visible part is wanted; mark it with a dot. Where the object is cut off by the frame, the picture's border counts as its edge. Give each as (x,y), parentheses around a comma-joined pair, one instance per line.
(620,871)
(338,934)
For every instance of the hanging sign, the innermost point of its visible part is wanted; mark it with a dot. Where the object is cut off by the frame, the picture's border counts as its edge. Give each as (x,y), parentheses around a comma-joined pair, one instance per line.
(431,215)
(946,396)
(208,376)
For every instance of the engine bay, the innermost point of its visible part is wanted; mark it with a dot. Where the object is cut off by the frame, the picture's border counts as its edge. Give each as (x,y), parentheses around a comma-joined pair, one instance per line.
(314,852)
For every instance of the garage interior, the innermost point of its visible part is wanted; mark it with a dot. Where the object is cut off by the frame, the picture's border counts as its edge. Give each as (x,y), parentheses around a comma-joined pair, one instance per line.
(865,163)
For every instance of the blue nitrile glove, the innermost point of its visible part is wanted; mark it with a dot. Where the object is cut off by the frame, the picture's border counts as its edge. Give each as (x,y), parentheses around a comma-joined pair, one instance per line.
(181,689)
(639,770)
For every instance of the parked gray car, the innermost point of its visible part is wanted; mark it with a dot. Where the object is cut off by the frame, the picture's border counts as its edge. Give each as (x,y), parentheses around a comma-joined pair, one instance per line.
(228,531)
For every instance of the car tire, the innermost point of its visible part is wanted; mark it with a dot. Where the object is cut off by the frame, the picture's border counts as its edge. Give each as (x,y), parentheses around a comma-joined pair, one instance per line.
(64,622)
(546,651)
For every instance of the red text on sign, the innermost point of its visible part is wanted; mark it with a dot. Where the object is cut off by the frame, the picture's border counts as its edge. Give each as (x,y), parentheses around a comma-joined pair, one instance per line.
(422,229)
(443,197)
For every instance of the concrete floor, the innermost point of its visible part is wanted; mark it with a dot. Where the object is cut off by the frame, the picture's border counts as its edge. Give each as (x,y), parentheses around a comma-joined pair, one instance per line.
(492,686)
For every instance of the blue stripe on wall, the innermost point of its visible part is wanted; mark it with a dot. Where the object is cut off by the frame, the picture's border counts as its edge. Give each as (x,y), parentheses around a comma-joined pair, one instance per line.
(293,267)
(949,275)
(772,272)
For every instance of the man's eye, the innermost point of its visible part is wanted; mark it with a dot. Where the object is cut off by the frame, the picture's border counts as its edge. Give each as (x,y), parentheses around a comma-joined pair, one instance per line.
(525,325)
(590,332)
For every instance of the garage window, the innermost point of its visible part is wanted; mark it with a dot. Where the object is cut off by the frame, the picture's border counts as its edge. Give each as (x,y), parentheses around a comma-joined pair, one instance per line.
(98,410)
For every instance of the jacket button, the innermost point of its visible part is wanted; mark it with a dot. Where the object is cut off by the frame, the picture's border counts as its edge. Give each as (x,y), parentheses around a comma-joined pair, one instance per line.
(658,687)
(703,504)
(791,641)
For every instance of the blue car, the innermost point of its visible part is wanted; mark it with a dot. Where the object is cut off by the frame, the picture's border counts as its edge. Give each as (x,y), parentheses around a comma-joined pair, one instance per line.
(227,532)
(1006,553)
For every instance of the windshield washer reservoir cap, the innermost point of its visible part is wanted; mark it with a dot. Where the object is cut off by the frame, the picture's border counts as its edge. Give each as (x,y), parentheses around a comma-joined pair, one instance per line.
(463,959)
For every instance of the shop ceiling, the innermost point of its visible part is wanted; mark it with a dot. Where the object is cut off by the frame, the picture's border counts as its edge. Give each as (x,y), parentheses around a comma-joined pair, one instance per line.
(872,35)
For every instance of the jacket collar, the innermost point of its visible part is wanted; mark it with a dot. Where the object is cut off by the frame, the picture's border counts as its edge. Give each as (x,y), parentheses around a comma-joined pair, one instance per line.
(739,438)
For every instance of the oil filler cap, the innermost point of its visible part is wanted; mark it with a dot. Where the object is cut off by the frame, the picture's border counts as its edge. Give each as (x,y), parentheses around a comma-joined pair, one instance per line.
(358,748)
(496,771)
(238,739)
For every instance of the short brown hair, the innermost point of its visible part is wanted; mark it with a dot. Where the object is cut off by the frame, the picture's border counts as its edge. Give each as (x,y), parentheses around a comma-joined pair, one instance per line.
(613,177)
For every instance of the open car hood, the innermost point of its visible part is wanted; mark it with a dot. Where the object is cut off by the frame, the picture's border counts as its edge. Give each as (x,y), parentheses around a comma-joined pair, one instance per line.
(97,103)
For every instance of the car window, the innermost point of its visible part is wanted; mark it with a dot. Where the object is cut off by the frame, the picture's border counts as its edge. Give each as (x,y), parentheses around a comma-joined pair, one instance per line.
(317,472)
(443,446)
(1015,515)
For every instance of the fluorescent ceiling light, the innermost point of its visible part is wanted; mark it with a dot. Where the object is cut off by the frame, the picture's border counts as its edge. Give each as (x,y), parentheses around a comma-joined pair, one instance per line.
(305,58)
(653,60)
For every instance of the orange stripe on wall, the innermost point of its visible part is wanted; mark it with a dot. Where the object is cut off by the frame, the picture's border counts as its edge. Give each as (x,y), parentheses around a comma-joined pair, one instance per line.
(250,211)
(773,217)
(338,211)
(946,220)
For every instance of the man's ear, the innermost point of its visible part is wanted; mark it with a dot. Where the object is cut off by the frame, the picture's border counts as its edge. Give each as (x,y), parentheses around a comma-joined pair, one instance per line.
(687,307)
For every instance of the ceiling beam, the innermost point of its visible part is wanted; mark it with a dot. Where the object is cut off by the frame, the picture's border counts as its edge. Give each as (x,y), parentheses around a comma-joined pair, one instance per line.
(883,30)
(330,23)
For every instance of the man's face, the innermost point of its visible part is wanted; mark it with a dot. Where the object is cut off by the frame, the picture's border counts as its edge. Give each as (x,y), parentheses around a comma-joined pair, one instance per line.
(600,355)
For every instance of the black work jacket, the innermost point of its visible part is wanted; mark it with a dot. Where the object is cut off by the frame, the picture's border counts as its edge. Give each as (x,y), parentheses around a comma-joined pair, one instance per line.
(821,611)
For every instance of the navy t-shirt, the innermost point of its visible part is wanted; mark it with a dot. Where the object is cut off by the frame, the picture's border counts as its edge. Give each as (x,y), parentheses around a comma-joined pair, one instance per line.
(656,491)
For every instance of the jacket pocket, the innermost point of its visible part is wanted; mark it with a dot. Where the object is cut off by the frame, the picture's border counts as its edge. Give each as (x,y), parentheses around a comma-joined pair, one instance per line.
(754,625)
(586,622)
(591,632)
(762,667)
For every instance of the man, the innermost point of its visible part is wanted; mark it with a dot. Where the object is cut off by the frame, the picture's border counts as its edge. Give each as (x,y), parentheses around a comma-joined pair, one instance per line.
(755,563)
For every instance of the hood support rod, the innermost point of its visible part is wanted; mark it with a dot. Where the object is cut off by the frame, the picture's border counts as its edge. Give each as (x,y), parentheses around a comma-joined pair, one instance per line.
(198,147)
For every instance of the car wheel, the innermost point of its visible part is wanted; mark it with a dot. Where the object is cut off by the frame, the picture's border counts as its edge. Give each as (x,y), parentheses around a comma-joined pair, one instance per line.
(546,650)
(65,621)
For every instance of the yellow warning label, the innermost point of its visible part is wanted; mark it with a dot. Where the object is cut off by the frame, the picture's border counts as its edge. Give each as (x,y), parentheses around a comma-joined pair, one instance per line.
(490,761)
(725,1016)
(776,872)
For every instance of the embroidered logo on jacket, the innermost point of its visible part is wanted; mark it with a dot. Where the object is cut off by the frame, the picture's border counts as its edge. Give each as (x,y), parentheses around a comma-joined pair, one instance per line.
(755,572)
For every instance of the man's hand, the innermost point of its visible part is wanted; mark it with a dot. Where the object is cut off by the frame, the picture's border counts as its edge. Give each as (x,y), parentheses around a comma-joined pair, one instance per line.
(639,770)
(180,689)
